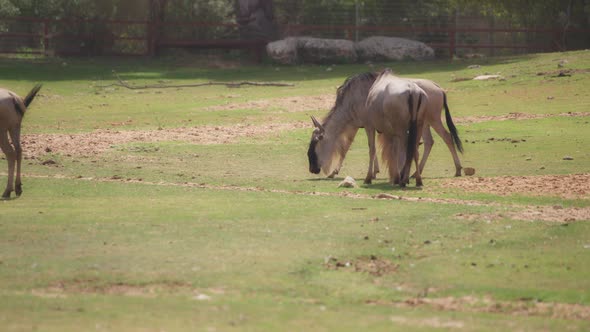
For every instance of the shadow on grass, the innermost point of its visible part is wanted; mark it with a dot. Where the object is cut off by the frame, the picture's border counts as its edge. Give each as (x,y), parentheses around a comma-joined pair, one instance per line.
(386,186)
(375,187)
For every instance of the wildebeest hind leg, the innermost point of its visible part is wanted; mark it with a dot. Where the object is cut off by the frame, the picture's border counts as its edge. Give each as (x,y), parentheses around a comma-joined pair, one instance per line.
(10,158)
(15,137)
(446,136)
(428,143)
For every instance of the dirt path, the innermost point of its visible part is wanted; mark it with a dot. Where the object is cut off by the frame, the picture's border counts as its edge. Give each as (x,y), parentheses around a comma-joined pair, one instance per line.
(516,116)
(557,214)
(569,186)
(287,104)
(487,305)
(96,142)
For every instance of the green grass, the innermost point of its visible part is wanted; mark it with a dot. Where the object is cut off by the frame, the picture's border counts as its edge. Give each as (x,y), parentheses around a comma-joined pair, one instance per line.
(229,236)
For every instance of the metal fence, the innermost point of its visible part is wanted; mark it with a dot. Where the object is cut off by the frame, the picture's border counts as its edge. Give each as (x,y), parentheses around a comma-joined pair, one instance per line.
(453,36)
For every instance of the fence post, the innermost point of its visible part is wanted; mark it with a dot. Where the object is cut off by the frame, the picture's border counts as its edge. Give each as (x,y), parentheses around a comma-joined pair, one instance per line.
(46,37)
(491,36)
(356,21)
(452,35)
(149,38)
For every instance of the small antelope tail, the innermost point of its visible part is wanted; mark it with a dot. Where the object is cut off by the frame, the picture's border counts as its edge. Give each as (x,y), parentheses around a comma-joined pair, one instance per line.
(451,125)
(29,98)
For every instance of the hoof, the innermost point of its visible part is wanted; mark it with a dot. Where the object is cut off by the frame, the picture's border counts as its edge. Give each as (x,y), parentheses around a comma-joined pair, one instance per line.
(6,195)
(368,181)
(18,190)
(333,174)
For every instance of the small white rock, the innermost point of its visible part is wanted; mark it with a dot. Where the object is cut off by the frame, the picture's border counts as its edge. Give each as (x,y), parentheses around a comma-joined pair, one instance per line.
(488,77)
(348,182)
(202,297)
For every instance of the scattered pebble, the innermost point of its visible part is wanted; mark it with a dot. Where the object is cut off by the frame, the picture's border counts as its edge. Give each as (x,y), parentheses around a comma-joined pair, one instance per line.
(348,182)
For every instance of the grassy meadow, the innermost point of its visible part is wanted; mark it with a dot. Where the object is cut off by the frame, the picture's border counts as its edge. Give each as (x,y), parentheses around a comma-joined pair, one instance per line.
(171,235)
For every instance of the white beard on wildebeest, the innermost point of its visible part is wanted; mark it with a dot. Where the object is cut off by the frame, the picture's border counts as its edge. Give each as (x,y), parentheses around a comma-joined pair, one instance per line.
(333,136)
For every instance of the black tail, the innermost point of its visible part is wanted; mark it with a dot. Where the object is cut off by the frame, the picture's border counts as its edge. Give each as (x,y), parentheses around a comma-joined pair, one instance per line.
(451,125)
(413,132)
(29,98)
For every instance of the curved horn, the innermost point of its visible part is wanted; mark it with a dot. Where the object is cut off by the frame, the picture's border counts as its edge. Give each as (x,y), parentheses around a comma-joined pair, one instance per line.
(316,123)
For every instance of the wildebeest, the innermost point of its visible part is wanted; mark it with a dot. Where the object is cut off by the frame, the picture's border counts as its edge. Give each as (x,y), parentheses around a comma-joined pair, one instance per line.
(12,111)
(396,109)
(332,138)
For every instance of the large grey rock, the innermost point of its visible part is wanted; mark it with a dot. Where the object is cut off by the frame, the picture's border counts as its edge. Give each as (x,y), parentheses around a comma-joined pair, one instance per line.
(311,50)
(318,50)
(283,51)
(392,48)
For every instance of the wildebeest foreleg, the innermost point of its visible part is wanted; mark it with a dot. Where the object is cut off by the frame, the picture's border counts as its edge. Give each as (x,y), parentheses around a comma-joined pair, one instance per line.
(10,158)
(372,155)
(376,161)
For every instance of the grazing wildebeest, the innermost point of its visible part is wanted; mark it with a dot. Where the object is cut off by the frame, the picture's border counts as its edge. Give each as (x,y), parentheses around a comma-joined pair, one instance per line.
(396,109)
(12,111)
(332,138)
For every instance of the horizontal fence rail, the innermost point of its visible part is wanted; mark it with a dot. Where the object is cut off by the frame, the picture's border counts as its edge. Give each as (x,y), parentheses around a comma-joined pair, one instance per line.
(24,35)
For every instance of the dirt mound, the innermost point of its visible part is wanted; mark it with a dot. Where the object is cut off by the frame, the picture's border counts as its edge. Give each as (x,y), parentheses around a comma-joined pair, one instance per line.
(288,104)
(96,142)
(570,186)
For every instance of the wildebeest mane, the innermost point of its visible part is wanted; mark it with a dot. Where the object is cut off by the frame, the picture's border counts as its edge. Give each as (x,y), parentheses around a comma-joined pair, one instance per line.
(340,130)
(344,89)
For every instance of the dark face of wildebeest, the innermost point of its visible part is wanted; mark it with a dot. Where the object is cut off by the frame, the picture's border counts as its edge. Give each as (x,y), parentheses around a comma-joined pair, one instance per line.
(316,137)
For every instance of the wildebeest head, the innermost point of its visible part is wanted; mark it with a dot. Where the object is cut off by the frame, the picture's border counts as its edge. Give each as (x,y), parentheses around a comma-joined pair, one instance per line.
(316,138)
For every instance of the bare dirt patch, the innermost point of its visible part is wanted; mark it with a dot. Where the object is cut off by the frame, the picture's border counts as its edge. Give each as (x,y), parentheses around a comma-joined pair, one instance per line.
(570,186)
(372,265)
(516,116)
(62,289)
(553,214)
(79,286)
(96,142)
(518,308)
(433,322)
(287,104)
